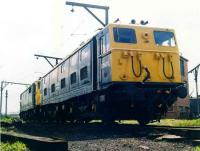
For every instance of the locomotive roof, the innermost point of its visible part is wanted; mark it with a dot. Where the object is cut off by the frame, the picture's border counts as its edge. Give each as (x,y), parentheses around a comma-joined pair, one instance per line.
(77,49)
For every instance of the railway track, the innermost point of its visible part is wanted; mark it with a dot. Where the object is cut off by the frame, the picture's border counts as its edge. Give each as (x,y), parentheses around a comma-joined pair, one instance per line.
(80,135)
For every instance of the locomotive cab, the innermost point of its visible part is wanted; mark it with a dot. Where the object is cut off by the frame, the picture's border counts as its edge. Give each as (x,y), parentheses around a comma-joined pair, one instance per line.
(140,68)
(137,51)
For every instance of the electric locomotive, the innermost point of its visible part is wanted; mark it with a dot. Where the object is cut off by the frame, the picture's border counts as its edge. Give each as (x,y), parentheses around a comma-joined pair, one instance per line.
(123,72)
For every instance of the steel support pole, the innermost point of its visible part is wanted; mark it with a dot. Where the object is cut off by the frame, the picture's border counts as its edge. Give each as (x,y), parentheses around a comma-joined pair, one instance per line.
(49,62)
(47,59)
(89,11)
(195,70)
(106,18)
(3,85)
(87,6)
(6,107)
(196,82)
(1,97)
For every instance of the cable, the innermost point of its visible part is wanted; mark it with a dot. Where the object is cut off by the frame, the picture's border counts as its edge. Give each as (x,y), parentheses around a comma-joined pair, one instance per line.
(140,70)
(148,76)
(172,68)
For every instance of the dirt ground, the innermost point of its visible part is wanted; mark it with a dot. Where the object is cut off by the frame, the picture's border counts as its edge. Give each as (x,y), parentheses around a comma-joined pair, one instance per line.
(110,137)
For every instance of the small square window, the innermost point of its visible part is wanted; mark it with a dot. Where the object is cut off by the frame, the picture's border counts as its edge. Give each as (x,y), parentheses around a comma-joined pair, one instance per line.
(45,91)
(83,73)
(73,78)
(63,84)
(53,88)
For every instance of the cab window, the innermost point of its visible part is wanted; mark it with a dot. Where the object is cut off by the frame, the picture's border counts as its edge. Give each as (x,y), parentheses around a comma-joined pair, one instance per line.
(163,38)
(124,35)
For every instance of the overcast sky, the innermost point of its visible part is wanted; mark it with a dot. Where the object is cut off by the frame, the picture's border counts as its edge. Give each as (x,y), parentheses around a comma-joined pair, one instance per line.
(47,27)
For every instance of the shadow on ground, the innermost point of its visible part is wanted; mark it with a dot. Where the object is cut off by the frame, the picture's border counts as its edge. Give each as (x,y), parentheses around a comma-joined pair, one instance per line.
(92,131)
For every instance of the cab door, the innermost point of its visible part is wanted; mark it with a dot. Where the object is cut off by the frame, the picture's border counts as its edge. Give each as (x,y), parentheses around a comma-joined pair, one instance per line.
(104,57)
(37,93)
(33,94)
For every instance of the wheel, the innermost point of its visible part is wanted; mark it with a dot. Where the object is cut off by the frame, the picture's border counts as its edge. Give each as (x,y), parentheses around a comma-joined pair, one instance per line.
(108,121)
(143,122)
(72,121)
(87,121)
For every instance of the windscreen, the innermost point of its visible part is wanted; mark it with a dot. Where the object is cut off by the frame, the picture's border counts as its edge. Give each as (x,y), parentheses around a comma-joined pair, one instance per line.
(124,35)
(163,38)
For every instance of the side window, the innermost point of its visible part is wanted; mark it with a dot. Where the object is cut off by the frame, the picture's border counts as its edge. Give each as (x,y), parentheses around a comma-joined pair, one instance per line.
(53,88)
(84,73)
(124,35)
(73,78)
(63,66)
(54,74)
(45,91)
(74,60)
(63,84)
(85,53)
(104,43)
(85,62)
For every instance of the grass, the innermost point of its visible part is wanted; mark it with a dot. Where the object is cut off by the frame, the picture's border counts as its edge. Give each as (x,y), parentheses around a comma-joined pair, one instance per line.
(169,122)
(8,119)
(14,146)
(7,129)
(177,122)
(129,122)
(164,122)
(197,148)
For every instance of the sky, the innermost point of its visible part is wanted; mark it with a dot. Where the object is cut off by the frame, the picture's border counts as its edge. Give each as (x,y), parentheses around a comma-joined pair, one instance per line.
(48,27)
